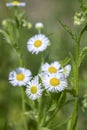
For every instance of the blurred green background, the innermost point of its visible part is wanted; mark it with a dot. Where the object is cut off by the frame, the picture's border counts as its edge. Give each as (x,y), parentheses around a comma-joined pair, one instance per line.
(45,11)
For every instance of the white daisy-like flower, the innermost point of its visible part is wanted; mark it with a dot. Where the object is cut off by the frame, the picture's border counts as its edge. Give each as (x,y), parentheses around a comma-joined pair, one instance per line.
(19,77)
(15,3)
(37,43)
(34,89)
(66,70)
(51,68)
(54,82)
(39,25)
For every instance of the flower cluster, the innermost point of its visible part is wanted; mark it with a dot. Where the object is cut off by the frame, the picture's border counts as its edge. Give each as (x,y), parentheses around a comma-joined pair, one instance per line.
(79,18)
(52,78)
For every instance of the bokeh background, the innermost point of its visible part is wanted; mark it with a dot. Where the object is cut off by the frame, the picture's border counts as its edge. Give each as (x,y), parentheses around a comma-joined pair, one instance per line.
(62,45)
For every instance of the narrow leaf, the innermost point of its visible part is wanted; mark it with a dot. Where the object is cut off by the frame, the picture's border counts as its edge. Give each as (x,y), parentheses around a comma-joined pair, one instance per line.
(43,128)
(69,31)
(65,61)
(6,36)
(82,55)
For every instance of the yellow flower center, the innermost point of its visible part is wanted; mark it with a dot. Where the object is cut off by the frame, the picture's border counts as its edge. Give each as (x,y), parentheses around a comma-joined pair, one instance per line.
(52,69)
(37,43)
(33,89)
(15,2)
(20,76)
(54,82)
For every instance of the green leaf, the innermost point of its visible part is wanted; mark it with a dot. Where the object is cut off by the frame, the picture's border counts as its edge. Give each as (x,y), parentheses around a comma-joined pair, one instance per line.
(73,72)
(69,31)
(65,61)
(31,115)
(53,106)
(83,5)
(59,105)
(62,100)
(19,19)
(43,128)
(56,126)
(21,15)
(71,91)
(6,36)
(82,55)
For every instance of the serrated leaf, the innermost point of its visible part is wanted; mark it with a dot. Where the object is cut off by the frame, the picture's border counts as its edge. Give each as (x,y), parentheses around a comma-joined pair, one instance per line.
(69,31)
(82,55)
(6,36)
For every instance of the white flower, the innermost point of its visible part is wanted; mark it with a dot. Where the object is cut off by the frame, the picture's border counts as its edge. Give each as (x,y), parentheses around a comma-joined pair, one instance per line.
(34,89)
(66,70)
(15,3)
(39,25)
(37,43)
(19,77)
(51,68)
(54,82)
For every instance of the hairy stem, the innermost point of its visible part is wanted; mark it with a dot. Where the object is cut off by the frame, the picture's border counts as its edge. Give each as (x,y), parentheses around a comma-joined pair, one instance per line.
(75,108)
(22,95)
(23,109)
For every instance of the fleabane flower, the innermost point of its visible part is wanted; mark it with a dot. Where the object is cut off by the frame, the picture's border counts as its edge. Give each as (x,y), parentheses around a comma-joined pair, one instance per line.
(66,70)
(19,77)
(15,3)
(34,89)
(37,43)
(51,68)
(54,82)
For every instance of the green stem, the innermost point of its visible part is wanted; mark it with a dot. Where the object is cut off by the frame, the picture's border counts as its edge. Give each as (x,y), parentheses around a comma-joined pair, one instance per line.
(23,109)
(39,112)
(22,96)
(75,108)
